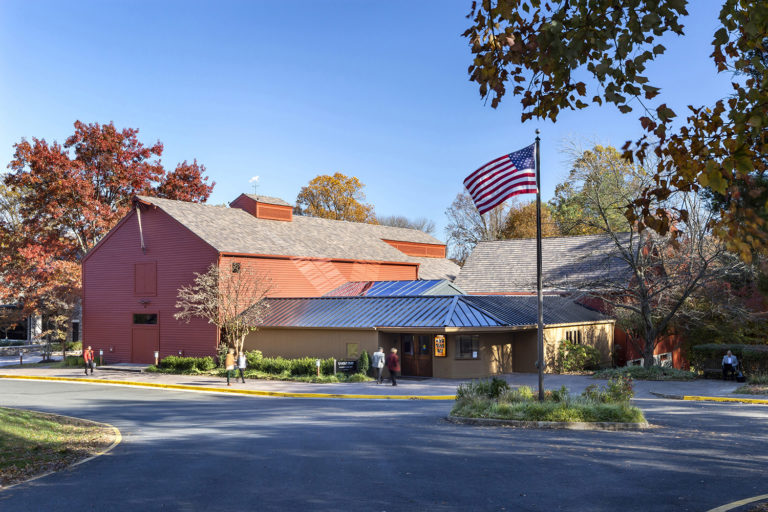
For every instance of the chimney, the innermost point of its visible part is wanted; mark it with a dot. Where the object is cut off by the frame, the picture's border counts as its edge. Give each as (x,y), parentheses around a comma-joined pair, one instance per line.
(264,207)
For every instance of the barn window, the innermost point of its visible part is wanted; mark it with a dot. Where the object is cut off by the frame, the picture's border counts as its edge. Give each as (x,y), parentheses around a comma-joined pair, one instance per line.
(235,267)
(145,319)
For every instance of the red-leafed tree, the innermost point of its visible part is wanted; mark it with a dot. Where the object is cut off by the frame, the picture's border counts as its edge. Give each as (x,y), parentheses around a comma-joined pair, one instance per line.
(69,196)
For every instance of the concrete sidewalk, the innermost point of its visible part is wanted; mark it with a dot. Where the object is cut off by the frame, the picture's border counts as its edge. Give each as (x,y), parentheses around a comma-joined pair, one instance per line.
(406,388)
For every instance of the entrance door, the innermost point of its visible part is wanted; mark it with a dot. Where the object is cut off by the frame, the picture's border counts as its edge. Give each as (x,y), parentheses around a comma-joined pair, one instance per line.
(416,355)
(144,341)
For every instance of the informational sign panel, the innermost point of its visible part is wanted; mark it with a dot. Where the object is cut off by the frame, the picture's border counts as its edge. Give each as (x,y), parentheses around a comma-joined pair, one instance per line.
(439,345)
(346,366)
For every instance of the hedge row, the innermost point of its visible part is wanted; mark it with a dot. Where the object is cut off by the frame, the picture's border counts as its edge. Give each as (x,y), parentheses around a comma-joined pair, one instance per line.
(187,364)
(753,358)
(295,367)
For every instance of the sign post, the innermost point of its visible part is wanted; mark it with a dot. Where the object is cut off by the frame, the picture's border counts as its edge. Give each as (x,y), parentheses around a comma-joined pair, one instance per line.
(540,330)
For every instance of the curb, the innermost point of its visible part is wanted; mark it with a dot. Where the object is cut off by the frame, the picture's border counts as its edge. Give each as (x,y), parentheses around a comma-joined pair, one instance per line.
(696,398)
(280,394)
(726,399)
(117,441)
(562,425)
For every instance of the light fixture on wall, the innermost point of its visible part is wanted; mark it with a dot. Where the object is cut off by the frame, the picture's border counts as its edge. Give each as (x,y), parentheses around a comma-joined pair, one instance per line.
(144,302)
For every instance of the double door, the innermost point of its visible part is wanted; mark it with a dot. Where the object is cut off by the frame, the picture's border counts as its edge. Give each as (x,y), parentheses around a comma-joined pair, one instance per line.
(416,355)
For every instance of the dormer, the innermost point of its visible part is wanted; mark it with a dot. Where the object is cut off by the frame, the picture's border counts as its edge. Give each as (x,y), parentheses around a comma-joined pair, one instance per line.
(264,207)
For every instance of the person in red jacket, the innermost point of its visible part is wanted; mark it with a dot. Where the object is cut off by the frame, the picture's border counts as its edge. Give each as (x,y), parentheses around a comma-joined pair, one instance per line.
(393,364)
(88,359)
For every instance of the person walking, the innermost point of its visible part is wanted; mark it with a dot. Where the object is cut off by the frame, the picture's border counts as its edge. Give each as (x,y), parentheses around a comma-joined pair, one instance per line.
(242,362)
(393,364)
(729,365)
(229,364)
(88,359)
(378,363)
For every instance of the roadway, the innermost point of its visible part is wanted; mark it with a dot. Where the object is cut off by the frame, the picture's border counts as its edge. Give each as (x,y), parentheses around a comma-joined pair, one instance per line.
(198,451)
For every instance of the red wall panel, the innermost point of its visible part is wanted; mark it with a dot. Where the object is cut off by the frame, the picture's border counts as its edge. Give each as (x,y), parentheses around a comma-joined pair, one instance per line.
(303,277)
(109,298)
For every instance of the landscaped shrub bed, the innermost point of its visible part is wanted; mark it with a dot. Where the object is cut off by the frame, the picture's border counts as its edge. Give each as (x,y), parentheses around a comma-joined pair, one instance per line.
(752,358)
(260,367)
(757,384)
(572,357)
(640,373)
(494,399)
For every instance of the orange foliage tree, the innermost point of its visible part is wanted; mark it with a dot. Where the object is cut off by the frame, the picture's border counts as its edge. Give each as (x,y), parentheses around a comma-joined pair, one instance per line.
(69,196)
(336,197)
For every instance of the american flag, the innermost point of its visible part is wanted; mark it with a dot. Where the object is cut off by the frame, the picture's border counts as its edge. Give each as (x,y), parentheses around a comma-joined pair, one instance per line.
(503,178)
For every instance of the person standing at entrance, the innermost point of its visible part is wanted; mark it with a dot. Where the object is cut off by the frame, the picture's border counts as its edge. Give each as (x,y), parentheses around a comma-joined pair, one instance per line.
(88,359)
(393,364)
(241,363)
(378,363)
(229,364)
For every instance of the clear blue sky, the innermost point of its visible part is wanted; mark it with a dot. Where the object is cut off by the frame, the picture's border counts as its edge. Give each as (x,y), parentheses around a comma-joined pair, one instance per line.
(290,90)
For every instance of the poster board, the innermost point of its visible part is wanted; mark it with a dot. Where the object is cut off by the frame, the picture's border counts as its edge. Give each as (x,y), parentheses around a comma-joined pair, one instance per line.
(439,345)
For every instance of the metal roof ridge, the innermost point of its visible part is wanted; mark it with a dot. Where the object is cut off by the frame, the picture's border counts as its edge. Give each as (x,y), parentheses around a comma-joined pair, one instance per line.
(451,309)
(481,309)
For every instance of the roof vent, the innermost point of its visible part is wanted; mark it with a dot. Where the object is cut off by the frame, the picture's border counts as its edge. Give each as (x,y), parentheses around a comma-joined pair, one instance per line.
(264,207)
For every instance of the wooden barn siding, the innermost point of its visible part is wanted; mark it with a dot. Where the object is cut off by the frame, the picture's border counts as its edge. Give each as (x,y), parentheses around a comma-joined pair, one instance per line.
(244,203)
(305,277)
(418,249)
(109,300)
(274,212)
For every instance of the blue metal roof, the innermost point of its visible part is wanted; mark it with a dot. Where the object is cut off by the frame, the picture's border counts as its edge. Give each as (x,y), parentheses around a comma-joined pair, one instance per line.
(384,288)
(422,311)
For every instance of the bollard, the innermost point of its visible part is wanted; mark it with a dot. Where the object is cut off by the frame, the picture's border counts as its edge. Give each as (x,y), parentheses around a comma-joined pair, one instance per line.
(317,363)
(101,357)
(157,355)
(334,366)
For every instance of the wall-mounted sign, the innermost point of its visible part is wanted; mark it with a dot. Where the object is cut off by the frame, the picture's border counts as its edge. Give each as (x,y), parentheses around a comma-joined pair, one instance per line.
(439,345)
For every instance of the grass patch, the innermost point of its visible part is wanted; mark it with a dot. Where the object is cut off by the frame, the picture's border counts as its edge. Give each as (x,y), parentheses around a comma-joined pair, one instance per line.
(494,399)
(640,373)
(757,384)
(32,443)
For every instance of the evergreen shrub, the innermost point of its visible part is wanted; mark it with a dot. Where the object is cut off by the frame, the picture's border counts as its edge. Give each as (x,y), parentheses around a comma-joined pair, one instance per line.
(572,357)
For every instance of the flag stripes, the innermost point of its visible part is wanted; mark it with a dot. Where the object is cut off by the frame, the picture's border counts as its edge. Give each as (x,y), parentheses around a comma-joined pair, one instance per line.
(502,178)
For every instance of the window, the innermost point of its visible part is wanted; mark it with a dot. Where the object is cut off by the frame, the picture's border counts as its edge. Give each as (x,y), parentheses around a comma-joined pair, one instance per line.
(573,337)
(467,347)
(235,267)
(407,340)
(145,319)
(353,350)
(425,345)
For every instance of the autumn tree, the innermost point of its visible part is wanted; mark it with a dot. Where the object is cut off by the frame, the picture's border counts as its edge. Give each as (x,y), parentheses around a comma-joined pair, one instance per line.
(568,54)
(231,298)
(650,281)
(69,196)
(603,176)
(521,221)
(336,197)
(399,221)
(466,227)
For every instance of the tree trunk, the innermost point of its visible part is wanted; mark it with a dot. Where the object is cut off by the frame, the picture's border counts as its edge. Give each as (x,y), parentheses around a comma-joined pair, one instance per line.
(648,347)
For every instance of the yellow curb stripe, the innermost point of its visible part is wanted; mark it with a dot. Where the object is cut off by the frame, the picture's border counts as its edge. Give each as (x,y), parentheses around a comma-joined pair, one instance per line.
(736,504)
(726,399)
(183,387)
(117,441)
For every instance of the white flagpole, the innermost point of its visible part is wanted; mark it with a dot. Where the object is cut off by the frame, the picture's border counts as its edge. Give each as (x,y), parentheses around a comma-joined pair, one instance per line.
(540,332)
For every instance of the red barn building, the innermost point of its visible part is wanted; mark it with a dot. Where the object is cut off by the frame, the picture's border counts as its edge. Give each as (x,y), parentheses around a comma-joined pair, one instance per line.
(132,276)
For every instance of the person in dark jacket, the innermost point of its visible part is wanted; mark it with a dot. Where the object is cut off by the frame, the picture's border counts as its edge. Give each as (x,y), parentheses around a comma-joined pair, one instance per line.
(393,365)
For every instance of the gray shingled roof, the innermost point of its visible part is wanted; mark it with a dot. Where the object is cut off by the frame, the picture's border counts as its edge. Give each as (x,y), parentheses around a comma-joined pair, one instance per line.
(232,230)
(268,200)
(509,266)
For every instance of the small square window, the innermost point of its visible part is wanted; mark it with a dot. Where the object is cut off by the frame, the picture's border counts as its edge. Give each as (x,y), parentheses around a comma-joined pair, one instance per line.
(235,267)
(353,350)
